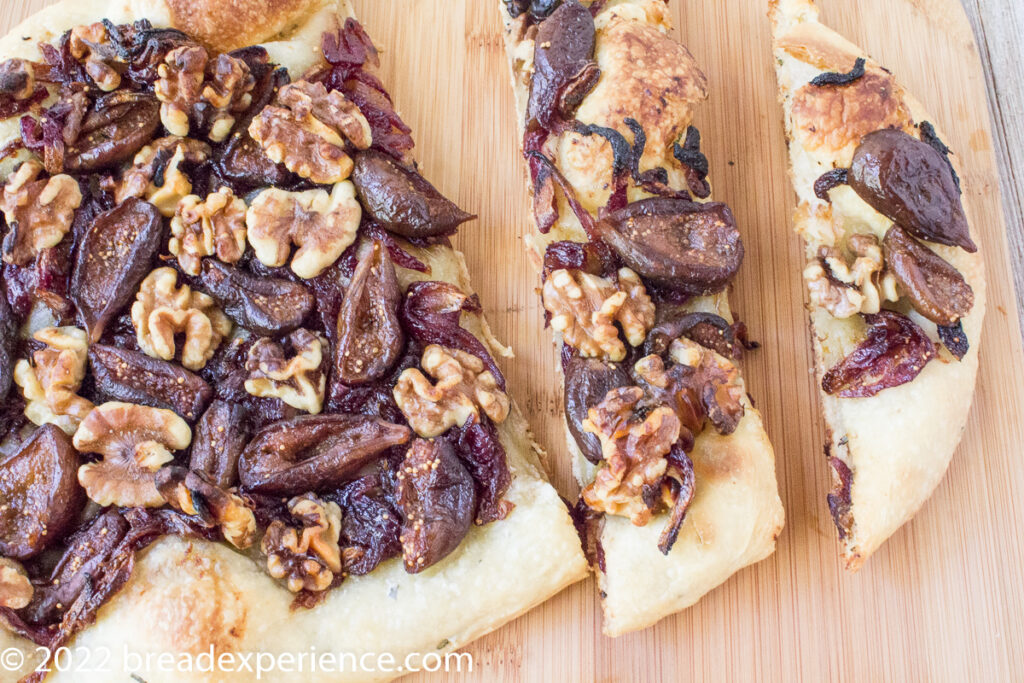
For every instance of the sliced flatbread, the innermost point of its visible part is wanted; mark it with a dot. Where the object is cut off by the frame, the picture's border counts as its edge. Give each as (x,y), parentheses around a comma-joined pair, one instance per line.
(896,444)
(735,514)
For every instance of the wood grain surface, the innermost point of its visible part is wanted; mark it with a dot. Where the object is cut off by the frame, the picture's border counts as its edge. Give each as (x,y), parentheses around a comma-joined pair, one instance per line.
(944,599)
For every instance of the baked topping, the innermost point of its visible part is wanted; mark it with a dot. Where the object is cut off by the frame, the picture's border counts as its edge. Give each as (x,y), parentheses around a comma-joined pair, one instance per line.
(156,174)
(134,377)
(193,494)
(305,553)
(462,388)
(307,130)
(634,449)
(190,83)
(585,309)
(214,226)
(17,79)
(90,45)
(845,289)
(262,305)
(936,289)
(299,380)
(15,588)
(38,211)
(163,310)
(179,86)
(134,441)
(319,224)
(50,383)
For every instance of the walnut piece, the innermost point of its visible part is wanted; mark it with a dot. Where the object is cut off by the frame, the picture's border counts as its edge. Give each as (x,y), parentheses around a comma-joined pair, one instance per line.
(228,90)
(299,381)
(90,44)
(134,441)
(716,380)
(51,382)
(634,450)
(156,175)
(845,290)
(214,226)
(306,130)
(194,494)
(17,79)
(192,86)
(15,588)
(585,309)
(180,86)
(321,225)
(162,310)
(38,211)
(463,387)
(307,555)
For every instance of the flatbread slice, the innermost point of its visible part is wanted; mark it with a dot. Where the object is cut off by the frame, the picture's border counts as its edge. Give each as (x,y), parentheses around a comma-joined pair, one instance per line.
(891,439)
(187,595)
(622,80)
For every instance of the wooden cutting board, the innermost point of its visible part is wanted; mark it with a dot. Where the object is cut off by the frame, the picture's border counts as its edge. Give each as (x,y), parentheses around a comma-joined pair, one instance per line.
(944,598)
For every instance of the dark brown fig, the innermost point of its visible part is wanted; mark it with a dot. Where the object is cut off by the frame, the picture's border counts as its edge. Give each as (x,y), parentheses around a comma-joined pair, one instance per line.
(587,382)
(134,377)
(117,127)
(370,338)
(402,200)
(88,550)
(218,440)
(314,452)
(936,289)
(40,493)
(680,245)
(707,329)
(264,305)
(115,255)
(244,165)
(8,336)
(564,68)
(910,183)
(437,499)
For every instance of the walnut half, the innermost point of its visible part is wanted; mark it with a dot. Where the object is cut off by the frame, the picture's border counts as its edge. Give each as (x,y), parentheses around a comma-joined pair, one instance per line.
(585,309)
(634,447)
(299,381)
(214,226)
(38,211)
(845,289)
(163,310)
(51,382)
(307,132)
(156,175)
(463,387)
(321,225)
(306,555)
(135,441)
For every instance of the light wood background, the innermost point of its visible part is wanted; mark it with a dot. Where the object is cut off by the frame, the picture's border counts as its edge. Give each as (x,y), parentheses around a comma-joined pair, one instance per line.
(944,599)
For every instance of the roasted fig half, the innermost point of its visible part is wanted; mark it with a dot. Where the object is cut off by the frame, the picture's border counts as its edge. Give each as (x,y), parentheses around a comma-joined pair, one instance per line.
(266,306)
(314,452)
(133,377)
(587,382)
(370,337)
(220,437)
(437,498)
(564,67)
(677,244)
(40,493)
(8,335)
(402,200)
(909,182)
(119,124)
(936,289)
(114,256)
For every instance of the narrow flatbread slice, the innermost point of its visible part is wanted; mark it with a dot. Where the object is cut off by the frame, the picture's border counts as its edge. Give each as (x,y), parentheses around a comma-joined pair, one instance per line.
(896,409)
(605,123)
(188,594)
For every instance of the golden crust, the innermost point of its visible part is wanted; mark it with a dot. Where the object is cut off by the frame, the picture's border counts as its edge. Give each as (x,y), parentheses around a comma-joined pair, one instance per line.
(898,443)
(736,513)
(228,24)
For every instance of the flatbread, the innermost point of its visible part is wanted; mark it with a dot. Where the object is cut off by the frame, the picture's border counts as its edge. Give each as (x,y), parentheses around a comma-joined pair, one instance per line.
(186,595)
(899,442)
(736,513)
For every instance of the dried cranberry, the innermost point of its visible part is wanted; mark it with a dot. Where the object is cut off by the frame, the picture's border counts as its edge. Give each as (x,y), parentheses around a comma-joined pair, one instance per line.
(481,451)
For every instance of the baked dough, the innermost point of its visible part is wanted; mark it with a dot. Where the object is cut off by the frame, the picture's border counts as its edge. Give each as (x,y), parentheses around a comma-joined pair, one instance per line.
(186,595)
(899,442)
(736,513)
